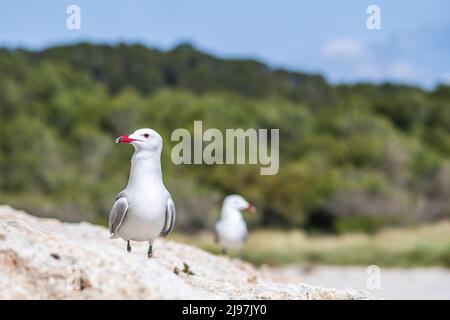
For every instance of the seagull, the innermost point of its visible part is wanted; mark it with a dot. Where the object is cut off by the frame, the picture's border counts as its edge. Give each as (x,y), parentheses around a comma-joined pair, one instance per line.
(231,230)
(144,210)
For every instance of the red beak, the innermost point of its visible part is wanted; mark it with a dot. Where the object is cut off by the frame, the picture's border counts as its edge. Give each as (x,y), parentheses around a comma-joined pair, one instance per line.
(251,208)
(124,139)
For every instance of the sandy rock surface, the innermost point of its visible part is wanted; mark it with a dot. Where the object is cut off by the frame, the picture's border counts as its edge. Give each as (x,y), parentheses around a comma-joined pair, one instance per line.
(49,259)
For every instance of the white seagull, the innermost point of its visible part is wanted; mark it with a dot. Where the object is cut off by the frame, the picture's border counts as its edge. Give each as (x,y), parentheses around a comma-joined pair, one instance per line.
(231,230)
(144,210)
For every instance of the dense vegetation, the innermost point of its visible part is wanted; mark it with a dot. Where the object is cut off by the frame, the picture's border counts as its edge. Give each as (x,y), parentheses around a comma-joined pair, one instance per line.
(352,157)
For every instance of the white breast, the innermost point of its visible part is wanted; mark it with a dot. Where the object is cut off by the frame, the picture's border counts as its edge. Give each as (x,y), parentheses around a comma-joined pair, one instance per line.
(146,214)
(231,233)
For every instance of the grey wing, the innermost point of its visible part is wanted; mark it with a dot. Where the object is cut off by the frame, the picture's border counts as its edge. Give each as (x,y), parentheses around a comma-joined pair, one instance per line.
(245,237)
(216,235)
(169,222)
(118,213)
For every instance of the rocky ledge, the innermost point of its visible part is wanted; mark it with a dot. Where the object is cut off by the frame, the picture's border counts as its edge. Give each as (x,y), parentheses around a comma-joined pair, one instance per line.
(49,259)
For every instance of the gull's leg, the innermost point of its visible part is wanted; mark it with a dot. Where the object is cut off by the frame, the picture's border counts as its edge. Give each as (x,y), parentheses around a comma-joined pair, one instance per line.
(128,246)
(150,251)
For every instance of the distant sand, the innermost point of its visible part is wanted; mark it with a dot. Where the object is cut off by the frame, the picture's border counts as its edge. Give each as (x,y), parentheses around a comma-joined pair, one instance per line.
(418,283)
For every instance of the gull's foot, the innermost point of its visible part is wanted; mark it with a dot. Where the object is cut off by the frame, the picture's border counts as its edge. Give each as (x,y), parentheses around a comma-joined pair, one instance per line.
(128,246)
(150,251)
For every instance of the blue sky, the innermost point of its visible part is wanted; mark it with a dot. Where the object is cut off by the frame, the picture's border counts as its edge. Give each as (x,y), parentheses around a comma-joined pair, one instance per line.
(327,37)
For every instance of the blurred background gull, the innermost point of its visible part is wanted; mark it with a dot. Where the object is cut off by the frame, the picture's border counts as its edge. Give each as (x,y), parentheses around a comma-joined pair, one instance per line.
(364,119)
(231,232)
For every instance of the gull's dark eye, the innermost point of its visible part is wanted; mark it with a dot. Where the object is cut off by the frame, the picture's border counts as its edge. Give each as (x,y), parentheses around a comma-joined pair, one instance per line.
(146,135)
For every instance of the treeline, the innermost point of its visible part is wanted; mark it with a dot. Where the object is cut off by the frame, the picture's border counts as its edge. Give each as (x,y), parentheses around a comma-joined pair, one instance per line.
(352,157)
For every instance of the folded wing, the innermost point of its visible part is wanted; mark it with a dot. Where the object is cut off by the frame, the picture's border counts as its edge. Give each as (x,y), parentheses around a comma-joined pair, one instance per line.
(118,213)
(171,214)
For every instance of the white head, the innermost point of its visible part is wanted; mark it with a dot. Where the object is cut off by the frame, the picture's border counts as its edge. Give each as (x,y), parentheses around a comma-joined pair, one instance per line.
(237,202)
(143,140)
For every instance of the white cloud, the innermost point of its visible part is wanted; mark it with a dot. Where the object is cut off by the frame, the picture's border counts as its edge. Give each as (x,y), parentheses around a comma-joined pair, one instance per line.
(352,60)
(343,47)
(445,79)
(368,72)
(401,70)
(397,70)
